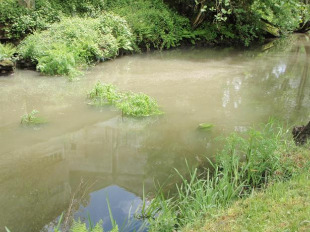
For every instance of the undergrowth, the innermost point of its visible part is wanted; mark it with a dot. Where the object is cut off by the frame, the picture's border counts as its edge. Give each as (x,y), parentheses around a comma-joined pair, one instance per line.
(130,104)
(74,43)
(153,23)
(17,21)
(7,51)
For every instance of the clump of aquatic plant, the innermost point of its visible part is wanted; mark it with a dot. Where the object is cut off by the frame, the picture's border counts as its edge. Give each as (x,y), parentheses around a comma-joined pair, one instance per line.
(131,104)
(138,105)
(104,94)
(32,118)
(205,126)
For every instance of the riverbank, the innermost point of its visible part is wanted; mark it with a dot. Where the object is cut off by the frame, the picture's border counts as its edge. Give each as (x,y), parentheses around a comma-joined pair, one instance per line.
(82,33)
(283,206)
(259,182)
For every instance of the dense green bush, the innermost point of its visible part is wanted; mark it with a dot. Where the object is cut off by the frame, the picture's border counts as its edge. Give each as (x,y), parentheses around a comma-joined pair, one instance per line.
(6,51)
(18,21)
(242,22)
(152,22)
(76,42)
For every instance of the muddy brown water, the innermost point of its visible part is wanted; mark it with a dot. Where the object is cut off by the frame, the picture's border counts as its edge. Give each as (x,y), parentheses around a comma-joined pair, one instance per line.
(93,153)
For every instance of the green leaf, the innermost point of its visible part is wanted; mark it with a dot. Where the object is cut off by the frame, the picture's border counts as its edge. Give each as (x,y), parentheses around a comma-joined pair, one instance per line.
(205,126)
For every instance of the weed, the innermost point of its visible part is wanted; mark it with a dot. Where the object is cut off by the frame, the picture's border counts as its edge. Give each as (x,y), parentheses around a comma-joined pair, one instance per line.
(131,104)
(205,126)
(104,94)
(32,119)
(138,105)
(7,51)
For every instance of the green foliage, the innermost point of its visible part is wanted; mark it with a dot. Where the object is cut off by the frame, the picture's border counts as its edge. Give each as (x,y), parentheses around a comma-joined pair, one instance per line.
(131,104)
(6,51)
(76,42)
(78,226)
(138,105)
(152,22)
(18,21)
(245,163)
(205,126)
(32,119)
(239,21)
(89,8)
(104,94)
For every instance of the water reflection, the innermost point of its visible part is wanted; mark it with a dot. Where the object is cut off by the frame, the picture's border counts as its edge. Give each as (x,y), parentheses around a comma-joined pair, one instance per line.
(113,156)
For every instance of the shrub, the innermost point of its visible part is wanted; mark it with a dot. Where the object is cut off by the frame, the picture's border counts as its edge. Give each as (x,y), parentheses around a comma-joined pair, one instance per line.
(19,21)
(153,23)
(76,42)
(6,51)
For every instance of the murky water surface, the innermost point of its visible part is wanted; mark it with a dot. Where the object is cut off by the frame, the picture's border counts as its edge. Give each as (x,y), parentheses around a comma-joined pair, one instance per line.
(85,154)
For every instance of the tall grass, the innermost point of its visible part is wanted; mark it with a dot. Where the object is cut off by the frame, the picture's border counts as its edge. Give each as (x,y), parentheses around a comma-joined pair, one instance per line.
(247,162)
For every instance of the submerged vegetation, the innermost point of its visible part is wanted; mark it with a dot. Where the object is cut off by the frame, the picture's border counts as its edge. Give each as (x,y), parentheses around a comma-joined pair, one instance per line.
(32,118)
(131,104)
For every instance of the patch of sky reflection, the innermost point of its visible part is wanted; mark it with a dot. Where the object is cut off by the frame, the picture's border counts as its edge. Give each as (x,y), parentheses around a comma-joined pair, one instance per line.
(279,70)
(226,98)
(123,206)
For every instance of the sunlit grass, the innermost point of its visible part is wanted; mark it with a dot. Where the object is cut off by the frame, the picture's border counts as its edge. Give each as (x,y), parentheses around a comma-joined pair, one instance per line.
(247,164)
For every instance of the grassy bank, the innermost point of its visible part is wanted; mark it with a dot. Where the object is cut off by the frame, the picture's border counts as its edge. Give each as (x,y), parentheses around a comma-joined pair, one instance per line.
(248,169)
(283,206)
